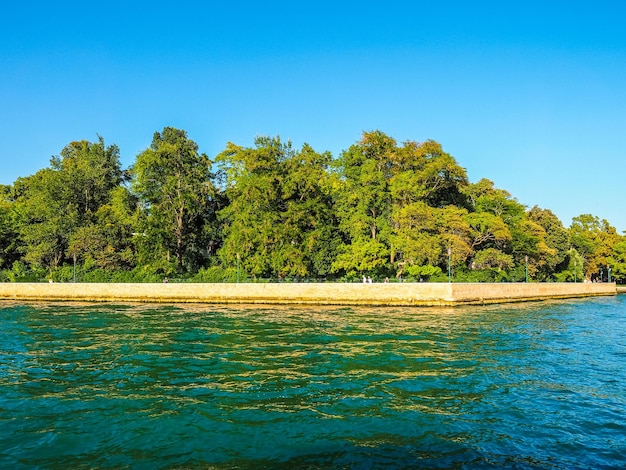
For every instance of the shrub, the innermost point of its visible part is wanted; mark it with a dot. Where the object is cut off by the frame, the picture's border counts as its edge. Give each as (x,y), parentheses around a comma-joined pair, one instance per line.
(218,274)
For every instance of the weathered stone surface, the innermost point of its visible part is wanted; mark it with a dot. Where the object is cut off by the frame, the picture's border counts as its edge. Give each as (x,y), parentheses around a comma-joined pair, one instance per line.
(392,294)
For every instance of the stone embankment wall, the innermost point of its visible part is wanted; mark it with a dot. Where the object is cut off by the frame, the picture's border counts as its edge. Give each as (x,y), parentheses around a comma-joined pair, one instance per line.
(393,294)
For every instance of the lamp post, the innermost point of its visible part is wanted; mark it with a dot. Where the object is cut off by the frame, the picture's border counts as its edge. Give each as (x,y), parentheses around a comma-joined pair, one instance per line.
(449,262)
(608,269)
(526,258)
(601,273)
(575,268)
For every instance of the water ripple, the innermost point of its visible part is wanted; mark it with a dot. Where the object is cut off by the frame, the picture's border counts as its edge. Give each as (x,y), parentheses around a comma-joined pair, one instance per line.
(114,386)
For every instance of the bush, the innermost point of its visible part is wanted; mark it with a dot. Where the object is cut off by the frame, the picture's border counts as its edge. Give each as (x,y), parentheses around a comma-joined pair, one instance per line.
(63,274)
(426,273)
(97,275)
(481,275)
(215,274)
(21,272)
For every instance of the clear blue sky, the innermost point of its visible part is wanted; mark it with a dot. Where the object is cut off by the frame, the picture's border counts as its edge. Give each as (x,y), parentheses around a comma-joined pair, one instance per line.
(531,94)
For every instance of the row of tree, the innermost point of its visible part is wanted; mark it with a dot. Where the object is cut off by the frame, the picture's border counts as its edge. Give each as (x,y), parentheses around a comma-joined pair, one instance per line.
(379,209)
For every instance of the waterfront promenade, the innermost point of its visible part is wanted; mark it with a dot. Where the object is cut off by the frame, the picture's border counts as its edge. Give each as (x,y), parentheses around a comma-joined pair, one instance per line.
(377,294)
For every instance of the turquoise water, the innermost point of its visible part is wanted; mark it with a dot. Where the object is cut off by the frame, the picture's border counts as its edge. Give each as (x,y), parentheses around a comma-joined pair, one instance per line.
(537,386)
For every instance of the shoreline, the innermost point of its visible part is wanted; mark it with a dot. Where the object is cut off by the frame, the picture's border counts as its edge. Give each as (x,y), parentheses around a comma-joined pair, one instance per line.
(377,294)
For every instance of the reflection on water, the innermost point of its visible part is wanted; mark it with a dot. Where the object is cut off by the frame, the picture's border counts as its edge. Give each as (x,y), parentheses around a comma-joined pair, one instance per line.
(525,386)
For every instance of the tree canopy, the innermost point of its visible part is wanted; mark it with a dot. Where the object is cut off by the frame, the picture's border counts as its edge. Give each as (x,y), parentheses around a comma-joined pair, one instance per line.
(379,209)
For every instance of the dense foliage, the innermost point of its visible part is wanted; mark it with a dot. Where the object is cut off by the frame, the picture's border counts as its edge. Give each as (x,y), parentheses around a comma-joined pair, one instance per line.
(380,209)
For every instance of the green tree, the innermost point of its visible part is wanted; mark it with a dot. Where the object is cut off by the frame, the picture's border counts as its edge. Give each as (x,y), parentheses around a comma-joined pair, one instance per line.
(617,261)
(501,204)
(279,219)
(415,237)
(45,220)
(174,184)
(528,239)
(309,211)
(54,203)
(361,256)
(490,258)
(9,243)
(425,182)
(594,240)
(388,203)
(363,200)
(363,203)
(501,222)
(88,172)
(488,231)
(556,240)
(571,269)
(252,216)
(423,171)
(108,242)
(456,235)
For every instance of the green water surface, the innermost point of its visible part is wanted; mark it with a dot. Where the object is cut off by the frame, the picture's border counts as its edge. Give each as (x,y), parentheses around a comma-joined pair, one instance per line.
(538,385)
